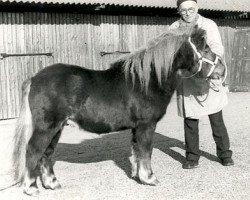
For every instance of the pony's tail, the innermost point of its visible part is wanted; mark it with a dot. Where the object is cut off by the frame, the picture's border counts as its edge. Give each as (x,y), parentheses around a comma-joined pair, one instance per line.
(23,132)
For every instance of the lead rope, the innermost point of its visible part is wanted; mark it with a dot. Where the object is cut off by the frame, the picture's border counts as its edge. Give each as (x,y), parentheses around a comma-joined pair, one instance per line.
(214,87)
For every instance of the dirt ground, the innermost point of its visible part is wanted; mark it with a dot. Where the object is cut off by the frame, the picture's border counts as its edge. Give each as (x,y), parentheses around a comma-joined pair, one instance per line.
(99,168)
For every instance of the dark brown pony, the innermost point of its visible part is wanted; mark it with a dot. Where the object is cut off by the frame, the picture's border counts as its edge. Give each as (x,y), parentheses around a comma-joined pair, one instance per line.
(132,94)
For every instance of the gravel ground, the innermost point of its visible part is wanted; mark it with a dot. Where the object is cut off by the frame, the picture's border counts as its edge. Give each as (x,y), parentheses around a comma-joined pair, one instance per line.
(93,168)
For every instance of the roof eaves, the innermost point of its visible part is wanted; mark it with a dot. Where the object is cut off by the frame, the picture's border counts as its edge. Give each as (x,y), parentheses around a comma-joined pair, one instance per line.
(213,5)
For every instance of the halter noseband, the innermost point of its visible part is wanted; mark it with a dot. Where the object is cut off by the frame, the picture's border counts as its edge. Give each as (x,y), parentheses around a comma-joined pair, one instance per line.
(202,59)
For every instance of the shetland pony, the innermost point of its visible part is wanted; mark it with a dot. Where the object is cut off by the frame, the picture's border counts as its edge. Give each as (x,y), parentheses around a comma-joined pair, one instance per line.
(132,94)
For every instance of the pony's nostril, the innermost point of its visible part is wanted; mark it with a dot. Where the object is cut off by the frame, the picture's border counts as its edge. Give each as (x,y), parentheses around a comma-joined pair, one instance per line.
(215,76)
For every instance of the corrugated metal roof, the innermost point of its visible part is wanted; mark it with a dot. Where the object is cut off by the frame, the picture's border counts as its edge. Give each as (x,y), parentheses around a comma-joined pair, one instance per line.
(219,5)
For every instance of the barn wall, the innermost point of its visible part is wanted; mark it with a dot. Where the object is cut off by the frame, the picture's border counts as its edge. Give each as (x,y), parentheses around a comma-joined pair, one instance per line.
(71,38)
(240,62)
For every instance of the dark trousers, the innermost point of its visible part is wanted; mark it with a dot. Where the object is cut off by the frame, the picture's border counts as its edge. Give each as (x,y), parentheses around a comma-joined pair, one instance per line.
(220,135)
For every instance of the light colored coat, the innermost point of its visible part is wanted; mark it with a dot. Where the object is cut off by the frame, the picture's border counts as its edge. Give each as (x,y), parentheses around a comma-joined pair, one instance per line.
(194,96)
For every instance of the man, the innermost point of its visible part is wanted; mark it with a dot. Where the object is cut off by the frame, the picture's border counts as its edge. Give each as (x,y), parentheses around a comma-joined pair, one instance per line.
(192,101)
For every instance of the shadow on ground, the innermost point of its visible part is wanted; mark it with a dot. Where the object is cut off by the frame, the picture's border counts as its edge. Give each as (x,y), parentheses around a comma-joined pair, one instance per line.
(116,147)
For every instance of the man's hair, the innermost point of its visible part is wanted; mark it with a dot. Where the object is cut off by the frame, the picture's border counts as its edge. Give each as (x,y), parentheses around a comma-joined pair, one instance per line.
(179,2)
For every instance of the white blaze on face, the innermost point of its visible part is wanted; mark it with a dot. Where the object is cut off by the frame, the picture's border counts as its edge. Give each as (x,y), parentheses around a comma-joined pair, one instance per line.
(188,11)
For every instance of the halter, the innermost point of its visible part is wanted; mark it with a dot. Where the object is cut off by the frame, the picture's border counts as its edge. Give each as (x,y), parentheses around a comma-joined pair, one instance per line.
(202,59)
(213,63)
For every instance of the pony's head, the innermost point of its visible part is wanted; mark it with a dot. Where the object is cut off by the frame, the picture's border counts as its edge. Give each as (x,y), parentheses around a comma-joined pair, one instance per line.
(200,61)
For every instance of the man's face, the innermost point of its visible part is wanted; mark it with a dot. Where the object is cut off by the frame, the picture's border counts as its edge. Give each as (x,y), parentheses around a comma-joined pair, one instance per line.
(188,11)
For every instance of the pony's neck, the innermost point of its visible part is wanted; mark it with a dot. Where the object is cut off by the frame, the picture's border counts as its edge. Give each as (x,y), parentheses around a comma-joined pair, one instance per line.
(170,83)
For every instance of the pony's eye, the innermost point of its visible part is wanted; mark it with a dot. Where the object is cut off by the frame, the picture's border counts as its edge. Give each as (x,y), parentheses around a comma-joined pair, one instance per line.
(206,50)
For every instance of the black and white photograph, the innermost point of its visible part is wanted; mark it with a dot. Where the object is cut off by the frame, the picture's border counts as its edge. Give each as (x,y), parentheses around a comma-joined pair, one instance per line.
(125,99)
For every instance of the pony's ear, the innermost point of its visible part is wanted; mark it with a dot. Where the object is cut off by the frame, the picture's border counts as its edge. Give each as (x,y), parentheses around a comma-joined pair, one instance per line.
(198,37)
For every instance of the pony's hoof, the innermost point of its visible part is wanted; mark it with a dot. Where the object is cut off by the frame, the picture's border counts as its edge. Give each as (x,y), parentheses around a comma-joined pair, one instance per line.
(155,182)
(136,178)
(58,187)
(31,191)
(152,180)
(53,185)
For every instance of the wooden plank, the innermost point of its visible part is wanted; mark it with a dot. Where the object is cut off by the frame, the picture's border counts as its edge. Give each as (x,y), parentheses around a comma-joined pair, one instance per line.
(46,38)
(103,35)
(28,43)
(38,44)
(82,40)
(2,77)
(63,36)
(33,45)
(73,46)
(50,41)
(92,39)
(71,36)
(78,39)
(18,35)
(231,47)
(88,46)
(22,49)
(96,40)
(11,67)
(58,32)
(16,69)
(57,40)
(54,38)
(245,60)
(234,54)
(29,40)
(5,73)
(8,63)
(67,37)
(42,34)
(241,63)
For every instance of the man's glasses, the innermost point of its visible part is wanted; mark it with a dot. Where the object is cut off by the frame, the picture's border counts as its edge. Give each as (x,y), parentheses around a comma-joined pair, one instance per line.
(185,11)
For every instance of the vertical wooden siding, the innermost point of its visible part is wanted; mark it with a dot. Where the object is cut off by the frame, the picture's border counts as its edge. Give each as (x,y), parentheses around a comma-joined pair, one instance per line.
(71,38)
(227,36)
(240,76)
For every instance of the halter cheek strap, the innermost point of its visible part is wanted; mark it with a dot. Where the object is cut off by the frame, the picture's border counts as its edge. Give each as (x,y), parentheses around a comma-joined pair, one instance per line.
(197,53)
(202,59)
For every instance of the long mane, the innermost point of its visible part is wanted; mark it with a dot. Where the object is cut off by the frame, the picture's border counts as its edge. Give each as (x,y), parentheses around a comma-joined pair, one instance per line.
(157,55)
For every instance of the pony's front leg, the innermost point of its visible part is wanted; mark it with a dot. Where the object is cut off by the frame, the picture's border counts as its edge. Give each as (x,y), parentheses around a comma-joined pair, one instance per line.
(141,154)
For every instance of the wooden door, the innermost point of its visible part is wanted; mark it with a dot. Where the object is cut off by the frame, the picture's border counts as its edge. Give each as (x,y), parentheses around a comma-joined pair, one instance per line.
(240,69)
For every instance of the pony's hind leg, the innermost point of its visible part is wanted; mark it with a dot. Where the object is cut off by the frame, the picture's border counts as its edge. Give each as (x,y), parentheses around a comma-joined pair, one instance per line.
(30,181)
(141,154)
(37,145)
(48,178)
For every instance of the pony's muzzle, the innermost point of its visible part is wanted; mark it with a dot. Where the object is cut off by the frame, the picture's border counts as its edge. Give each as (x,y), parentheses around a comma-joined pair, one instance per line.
(215,76)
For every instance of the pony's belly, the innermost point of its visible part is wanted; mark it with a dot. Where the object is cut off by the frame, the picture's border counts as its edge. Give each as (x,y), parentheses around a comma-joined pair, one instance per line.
(101,126)
(99,120)
(104,113)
